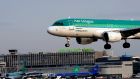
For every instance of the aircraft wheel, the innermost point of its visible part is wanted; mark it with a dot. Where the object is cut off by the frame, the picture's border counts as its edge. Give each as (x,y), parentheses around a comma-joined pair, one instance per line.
(107,46)
(67,45)
(126,45)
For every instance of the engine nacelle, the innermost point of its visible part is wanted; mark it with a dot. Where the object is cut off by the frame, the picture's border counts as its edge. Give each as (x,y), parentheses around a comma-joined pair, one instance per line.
(85,40)
(112,36)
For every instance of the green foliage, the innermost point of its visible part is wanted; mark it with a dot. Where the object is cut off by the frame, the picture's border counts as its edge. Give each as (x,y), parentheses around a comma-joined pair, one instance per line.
(67,50)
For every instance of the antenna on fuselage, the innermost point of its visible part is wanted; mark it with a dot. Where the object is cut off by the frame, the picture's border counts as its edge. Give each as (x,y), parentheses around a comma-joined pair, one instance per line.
(132,19)
(69,17)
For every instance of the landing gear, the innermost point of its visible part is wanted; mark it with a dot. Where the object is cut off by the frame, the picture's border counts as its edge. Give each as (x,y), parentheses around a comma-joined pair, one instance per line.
(67,44)
(107,46)
(126,44)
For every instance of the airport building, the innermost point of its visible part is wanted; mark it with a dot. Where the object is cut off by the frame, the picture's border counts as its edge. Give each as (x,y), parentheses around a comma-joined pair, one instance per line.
(110,66)
(45,61)
(136,65)
(116,67)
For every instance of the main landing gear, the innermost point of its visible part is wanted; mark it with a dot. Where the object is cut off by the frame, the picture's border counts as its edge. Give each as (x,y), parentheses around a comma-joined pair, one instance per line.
(107,46)
(68,42)
(125,45)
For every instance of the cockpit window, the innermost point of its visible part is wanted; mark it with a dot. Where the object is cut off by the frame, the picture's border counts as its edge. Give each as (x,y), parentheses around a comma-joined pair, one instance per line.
(58,24)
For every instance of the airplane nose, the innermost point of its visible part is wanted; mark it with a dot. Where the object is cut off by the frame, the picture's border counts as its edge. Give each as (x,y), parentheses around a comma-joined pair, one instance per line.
(51,30)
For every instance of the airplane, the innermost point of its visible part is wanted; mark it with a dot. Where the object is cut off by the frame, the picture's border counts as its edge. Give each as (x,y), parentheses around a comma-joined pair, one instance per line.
(87,31)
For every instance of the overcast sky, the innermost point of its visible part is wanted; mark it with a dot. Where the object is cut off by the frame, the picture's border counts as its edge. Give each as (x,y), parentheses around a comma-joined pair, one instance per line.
(23,23)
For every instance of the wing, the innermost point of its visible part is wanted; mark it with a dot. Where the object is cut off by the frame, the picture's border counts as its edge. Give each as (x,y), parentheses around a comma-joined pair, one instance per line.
(130,32)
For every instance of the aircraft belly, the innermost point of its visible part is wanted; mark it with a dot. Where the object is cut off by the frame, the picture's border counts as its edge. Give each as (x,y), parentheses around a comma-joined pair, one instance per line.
(68,33)
(97,32)
(83,33)
(91,32)
(137,35)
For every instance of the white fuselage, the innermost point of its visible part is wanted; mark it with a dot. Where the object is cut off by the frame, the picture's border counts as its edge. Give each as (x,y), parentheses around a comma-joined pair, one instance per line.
(72,31)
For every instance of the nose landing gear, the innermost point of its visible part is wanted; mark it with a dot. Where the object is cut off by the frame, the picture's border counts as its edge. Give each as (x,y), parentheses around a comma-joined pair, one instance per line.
(68,42)
(67,45)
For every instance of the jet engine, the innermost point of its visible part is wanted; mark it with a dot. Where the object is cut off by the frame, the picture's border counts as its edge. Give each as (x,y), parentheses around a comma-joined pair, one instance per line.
(85,40)
(112,36)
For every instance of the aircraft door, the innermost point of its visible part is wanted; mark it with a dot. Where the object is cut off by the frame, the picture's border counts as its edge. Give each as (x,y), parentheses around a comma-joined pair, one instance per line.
(71,28)
(72,31)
